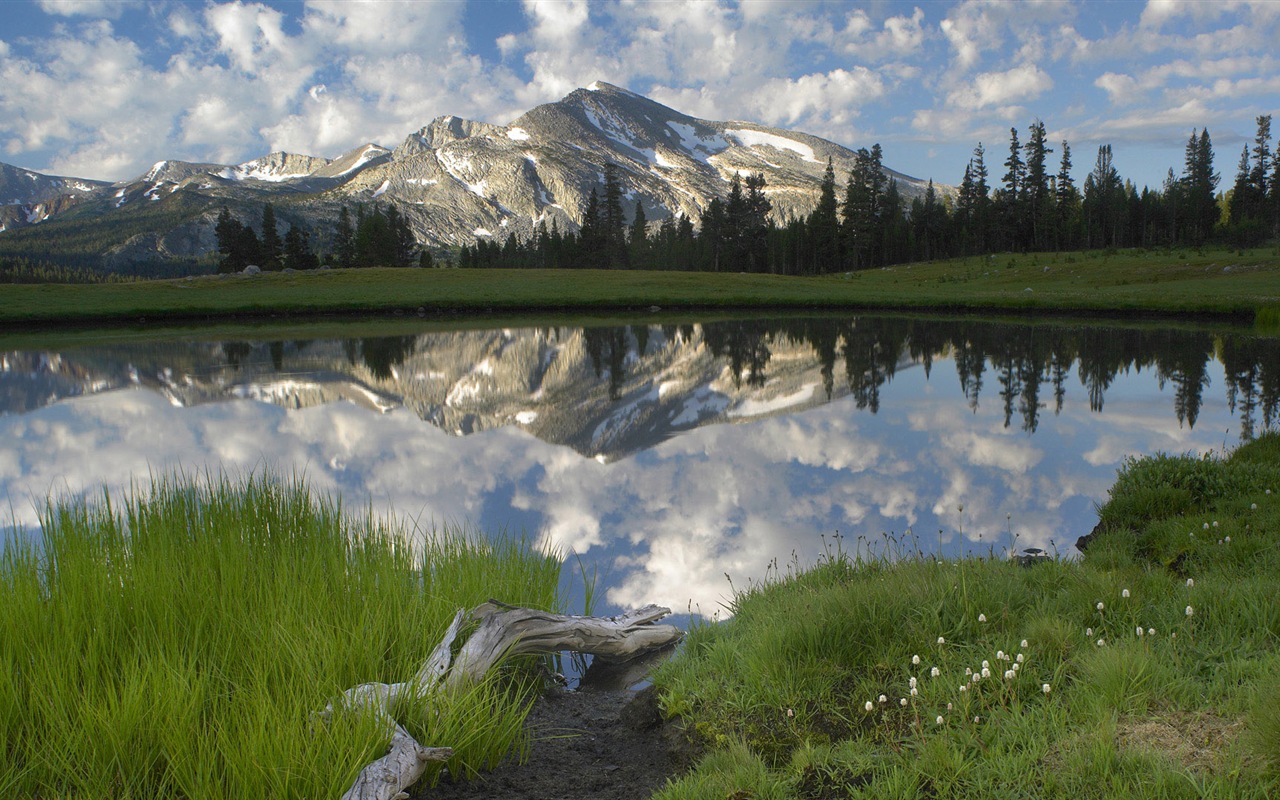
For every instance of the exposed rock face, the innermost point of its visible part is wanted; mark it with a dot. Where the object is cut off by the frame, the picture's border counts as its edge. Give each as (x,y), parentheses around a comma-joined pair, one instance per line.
(458,180)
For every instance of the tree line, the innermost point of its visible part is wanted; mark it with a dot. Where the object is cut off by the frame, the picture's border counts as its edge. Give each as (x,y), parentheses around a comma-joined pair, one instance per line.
(870,223)
(374,238)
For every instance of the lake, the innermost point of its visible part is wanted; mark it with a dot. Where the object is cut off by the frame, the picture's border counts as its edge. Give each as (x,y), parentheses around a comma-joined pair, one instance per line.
(677,458)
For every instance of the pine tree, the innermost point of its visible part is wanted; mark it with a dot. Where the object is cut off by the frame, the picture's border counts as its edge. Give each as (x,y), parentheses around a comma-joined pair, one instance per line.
(591,243)
(1039,204)
(344,240)
(1198,207)
(824,226)
(638,241)
(1067,202)
(1009,199)
(613,223)
(272,250)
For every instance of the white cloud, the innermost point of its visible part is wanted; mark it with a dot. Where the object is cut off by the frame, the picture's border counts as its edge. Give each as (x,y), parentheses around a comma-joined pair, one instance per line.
(108,9)
(1022,83)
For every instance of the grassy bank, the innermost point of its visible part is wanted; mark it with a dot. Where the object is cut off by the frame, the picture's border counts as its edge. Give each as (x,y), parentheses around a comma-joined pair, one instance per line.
(177,643)
(1170,282)
(1150,668)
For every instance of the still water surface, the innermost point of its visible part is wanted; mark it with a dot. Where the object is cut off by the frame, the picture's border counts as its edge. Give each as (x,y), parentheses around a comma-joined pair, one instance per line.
(670,456)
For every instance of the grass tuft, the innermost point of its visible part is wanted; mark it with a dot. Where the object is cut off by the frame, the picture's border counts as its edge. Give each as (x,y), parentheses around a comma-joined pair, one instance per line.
(178,641)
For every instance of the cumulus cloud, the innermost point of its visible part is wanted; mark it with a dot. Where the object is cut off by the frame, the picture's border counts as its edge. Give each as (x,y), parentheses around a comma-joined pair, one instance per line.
(109,9)
(1022,83)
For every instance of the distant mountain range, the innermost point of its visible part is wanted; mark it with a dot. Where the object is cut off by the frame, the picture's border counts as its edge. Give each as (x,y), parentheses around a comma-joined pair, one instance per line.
(455,180)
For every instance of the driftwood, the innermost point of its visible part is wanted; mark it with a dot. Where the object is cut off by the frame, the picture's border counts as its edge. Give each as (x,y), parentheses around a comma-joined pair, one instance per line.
(503,631)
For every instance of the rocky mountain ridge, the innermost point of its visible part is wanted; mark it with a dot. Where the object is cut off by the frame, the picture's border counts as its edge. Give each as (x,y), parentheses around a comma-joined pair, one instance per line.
(458,180)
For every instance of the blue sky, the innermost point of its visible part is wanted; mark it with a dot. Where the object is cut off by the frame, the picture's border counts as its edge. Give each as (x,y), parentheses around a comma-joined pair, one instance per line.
(104,88)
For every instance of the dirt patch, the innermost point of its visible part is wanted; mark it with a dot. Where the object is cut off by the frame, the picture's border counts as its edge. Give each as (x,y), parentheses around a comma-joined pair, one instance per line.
(590,743)
(1195,740)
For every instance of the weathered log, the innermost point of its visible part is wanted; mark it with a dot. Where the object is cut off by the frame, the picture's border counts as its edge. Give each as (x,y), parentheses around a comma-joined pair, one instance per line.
(503,631)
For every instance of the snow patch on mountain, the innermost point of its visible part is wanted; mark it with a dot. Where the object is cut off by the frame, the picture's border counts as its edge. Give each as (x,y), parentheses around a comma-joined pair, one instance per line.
(750,138)
(518,135)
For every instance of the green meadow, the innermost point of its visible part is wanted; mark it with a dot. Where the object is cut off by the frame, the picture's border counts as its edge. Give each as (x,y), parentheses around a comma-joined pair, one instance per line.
(1239,283)
(1148,668)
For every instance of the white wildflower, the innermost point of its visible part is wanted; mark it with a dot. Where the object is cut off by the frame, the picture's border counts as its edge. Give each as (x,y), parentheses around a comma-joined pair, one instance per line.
(868,706)
(1124,593)
(938,720)
(982,618)
(1045,688)
(935,672)
(915,660)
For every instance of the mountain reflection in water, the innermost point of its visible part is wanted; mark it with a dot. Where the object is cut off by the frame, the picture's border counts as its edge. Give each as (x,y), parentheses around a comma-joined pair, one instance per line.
(615,441)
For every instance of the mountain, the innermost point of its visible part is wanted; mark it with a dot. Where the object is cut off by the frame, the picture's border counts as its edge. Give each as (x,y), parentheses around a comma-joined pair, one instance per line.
(28,197)
(455,180)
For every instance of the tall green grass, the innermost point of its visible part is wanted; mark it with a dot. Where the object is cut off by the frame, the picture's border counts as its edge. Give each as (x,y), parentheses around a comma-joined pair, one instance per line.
(1160,651)
(177,642)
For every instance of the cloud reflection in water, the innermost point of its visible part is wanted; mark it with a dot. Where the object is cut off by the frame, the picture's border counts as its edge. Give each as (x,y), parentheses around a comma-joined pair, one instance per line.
(667,523)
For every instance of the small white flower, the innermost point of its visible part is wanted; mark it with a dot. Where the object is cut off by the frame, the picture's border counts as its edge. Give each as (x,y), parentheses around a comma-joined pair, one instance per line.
(985,664)
(1173,635)
(1045,688)
(1190,611)
(967,672)
(1023,644)
(903,702)
(935,672)
(941,640)
(1219,541)
(986,673)
(999,655)
(1010,674)
(1191,582)
(1227,540)
(1017,667)
(949,705)
(982,618)
(1124,593)
(913,682)
(1206,526)
(1151,631)
(915,692)
(1102,642)
(1099,606)
(1215,523)
(1088,632)
(1268,491)
(976,677)
(1140,631)
(1253,506)
(976,720)
(883,699)
(938,720)
(868,706)
(1020,658)
(915,660)
(964,687)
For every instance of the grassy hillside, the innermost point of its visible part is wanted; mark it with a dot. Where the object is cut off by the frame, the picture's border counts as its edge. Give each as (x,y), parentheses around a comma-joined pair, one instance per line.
(1149,668)
(1227,282)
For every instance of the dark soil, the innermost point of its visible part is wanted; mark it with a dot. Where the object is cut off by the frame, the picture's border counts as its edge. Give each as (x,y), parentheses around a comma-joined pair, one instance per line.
(591,743)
